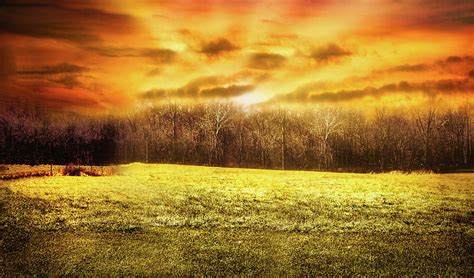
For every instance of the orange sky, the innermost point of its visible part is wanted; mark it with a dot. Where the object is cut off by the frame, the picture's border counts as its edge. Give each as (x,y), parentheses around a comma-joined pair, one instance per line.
(106,55)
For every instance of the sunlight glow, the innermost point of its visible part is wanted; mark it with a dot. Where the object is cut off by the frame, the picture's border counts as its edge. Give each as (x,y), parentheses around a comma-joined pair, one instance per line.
(250,98)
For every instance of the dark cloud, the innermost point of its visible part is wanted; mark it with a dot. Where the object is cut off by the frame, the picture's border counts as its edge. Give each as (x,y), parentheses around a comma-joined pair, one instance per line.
(65,75)
(114,51)
(459,59)
(447,13)
(329,52)
(218,47)
(49,97)
(210,87)
(302,92)
(230,91)
(68,81)
(266,61)
(429,14)
(409,68)
(449,86)
(455,18)
(155,94)
(7,62)
(456,64)
(471,74)
(154,72)
(452,64)
(454,59)
(194,87)
(158,55)
(55,69)
(45,3)
(57,20)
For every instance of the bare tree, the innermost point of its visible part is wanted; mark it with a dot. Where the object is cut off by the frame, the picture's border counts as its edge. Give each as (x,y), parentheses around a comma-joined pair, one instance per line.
(221,133)
(217,117)
(281,120)
(325,123)
(425,124)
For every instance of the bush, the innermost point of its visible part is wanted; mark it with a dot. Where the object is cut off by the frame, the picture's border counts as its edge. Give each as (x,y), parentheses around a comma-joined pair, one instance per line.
(3,168)
(72,170)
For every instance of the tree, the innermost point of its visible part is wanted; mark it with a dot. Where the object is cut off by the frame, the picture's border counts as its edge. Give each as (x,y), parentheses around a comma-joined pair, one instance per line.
(425,124)
(217,117)
(325,123)
(220,133)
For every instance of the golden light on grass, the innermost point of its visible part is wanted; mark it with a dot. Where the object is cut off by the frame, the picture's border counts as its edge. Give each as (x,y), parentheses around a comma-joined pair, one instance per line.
(249,217)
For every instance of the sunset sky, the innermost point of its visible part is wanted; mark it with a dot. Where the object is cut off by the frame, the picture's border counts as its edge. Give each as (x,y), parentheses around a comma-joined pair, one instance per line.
(108,55)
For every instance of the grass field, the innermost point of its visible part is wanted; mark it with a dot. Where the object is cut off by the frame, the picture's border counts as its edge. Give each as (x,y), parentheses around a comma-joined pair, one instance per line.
(169,219)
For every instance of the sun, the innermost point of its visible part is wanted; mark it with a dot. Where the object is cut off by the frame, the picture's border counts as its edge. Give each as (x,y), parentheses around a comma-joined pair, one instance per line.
(250,98)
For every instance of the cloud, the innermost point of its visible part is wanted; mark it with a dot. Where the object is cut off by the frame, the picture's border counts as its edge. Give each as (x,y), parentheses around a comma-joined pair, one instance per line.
(217,47)
(65,74)
(302,92)
(458,59)
(55,69)
(226,92)
(155,94)
(424,15)
(452,64)
(61,21)
(114,51)
(448,86)
(329,52)
(7,64)
(210,87)
(68,81)
(454,59)
(471,74)
(409,68)
(266,61)
(51,97)
(456,64)
(158,55)
(446,13)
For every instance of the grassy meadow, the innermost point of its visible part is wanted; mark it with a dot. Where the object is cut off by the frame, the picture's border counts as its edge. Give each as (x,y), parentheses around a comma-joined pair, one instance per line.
(181,220)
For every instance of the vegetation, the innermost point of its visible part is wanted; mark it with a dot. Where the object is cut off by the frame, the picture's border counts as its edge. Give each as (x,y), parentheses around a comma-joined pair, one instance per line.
(181,220)
(222,134)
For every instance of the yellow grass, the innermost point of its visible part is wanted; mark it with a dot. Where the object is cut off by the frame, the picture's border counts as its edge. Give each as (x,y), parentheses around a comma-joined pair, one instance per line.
(161,219)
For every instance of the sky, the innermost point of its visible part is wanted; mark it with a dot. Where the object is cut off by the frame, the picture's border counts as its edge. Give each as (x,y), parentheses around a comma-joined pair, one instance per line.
(114,55)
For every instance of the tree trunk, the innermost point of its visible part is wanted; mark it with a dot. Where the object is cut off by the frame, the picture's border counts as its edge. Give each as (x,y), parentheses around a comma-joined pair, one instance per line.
(241,145)
(146,150)
(283,145)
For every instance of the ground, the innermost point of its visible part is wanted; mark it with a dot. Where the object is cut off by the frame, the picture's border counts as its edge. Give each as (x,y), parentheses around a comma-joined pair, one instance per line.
(170,219)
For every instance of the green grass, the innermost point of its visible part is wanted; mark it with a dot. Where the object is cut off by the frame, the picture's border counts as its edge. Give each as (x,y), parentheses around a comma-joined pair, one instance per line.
(168,219)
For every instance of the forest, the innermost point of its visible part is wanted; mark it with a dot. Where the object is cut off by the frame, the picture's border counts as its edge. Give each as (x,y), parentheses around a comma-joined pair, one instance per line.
(225,134)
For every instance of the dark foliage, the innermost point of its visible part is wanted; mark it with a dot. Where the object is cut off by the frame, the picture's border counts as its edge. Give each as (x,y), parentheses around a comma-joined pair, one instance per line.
(71,170)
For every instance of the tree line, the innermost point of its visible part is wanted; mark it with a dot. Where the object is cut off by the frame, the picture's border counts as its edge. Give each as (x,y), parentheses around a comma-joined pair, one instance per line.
(225,134)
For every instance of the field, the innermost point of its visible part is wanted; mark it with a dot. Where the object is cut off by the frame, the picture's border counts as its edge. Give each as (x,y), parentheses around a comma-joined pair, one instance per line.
(181,220)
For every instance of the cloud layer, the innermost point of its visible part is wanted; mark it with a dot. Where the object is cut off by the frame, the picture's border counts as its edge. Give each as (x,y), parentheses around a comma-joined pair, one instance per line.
(114,54)
(428,88)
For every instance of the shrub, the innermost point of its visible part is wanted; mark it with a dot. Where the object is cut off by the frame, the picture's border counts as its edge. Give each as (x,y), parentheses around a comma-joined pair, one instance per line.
(94,171)
(72,170)
(3,168)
